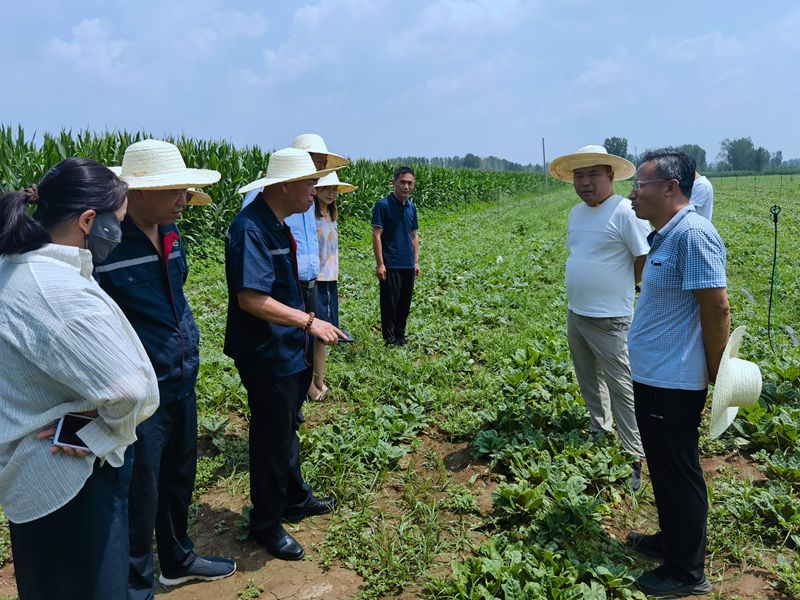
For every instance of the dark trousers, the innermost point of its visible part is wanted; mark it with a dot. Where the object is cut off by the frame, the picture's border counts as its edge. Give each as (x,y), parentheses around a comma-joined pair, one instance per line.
(668,423)
(80,551)
(164,466)
(276,483)
(396,292)
(310,300)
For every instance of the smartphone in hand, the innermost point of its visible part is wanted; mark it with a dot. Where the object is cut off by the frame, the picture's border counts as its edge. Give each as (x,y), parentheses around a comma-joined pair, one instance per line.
(67,431)
(346,340)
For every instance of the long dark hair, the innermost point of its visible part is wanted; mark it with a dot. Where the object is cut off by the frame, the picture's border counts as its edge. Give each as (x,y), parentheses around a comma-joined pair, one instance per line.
(72,187)
(332,210)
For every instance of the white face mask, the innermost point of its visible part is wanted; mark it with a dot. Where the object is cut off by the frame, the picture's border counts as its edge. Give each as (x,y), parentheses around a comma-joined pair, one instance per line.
(104,236)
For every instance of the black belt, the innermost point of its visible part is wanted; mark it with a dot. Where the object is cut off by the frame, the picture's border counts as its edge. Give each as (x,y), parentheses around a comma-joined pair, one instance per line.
(309,285)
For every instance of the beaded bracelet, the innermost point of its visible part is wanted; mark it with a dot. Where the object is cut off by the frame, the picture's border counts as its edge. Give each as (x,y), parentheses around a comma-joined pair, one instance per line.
(311,317)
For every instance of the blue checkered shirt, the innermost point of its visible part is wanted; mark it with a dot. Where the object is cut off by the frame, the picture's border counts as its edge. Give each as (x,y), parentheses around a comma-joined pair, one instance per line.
(665,340)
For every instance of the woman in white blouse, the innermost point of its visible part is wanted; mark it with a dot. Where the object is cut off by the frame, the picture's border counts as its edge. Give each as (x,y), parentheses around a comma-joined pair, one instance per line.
(66,347)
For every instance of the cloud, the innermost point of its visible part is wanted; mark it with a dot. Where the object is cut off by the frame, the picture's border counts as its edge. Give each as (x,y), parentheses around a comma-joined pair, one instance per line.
(449,28)
(603,73)
(699,49)
(91,47)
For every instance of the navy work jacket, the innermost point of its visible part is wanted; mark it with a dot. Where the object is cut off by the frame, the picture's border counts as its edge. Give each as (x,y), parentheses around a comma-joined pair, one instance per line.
(261,255)
(149,290)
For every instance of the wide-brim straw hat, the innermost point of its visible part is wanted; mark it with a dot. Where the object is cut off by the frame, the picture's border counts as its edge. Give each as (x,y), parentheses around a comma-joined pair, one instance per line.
(194,197)
(158,165)
(311,142)
(591,156)
(332,180)
(738,384)
(289,164)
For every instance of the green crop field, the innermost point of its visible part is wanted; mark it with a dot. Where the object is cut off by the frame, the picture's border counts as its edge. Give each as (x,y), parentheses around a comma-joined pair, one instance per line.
(462,462)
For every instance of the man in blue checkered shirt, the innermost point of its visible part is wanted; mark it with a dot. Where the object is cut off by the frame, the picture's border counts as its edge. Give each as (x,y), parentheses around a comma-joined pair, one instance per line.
(676,341)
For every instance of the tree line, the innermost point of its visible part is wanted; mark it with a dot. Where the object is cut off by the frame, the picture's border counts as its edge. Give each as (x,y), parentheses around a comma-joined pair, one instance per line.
(469,161)
(738,154)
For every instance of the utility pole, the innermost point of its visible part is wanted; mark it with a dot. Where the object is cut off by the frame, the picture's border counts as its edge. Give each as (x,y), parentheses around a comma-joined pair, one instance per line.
(544,163)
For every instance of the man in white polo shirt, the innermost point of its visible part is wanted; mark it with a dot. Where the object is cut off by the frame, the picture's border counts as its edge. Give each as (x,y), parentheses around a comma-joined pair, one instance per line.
(702,197)
(607,248)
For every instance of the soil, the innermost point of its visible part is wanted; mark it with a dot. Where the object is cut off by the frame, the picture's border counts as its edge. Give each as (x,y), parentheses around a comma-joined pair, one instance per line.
(219,510)
(744,582)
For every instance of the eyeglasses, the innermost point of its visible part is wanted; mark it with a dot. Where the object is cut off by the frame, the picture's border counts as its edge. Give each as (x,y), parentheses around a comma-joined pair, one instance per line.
(639,184)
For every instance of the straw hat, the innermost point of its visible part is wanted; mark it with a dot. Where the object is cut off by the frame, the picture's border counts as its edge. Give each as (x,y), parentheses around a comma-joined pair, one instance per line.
(194,197)
(311,142)
(157,165)
(289,164)
(590,156)
(333,180)
(738,384)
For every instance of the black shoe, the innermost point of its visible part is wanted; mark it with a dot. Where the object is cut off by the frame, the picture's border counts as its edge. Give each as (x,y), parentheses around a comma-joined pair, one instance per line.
(650,546)
(279,543)
(660,584)
(390,341)
(315,506)
(401,341)
(205,568)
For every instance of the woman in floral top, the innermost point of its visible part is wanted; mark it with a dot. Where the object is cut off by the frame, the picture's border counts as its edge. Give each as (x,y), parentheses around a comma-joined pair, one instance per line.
(328,189)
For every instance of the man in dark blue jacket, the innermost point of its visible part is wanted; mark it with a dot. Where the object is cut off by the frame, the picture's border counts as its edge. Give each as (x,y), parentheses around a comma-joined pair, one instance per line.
(145,275)
(267,335)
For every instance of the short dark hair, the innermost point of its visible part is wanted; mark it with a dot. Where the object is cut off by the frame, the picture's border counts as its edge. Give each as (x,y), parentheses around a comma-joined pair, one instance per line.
(403,171)
(671,164)
(71,187)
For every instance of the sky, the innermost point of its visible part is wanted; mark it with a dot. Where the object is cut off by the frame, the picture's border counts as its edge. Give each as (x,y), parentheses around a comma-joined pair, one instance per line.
(385,78)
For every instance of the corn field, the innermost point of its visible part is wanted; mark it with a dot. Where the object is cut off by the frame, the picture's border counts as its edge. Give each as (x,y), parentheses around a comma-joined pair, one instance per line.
(23,161)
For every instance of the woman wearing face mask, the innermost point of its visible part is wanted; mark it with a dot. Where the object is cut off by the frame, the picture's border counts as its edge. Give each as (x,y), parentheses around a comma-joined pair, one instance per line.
(65,348)
(328,189)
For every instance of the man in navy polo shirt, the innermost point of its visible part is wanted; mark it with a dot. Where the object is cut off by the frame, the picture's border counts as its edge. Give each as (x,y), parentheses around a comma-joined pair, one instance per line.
(676,341)
(395,243)
(145,275)
(267,337)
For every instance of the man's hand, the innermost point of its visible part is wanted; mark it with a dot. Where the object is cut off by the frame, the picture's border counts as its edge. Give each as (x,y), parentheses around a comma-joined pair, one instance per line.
(416,269)
(325,332)
(380,271)
(715,321)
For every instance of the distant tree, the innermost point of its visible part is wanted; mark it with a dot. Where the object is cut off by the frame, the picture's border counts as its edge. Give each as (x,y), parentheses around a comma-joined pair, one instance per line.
(697,153)
(776,160)
(471,161)
(738,154)
(760,159)
(616,145)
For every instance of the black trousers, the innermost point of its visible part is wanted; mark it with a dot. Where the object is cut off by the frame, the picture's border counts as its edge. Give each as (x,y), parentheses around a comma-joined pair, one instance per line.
(310,300)
(276,483)
(396,292)
(80,551)
(668,423)
(164,467)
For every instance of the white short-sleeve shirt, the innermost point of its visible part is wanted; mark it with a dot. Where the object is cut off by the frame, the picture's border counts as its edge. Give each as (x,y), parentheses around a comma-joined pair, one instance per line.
(702,197)
(603,242)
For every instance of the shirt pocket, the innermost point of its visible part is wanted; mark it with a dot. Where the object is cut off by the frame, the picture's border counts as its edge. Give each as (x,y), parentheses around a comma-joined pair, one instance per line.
(662,272)
(133,284)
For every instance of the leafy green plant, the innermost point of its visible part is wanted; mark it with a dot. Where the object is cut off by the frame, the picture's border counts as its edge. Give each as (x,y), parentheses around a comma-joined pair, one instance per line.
(251,591)
(5,539)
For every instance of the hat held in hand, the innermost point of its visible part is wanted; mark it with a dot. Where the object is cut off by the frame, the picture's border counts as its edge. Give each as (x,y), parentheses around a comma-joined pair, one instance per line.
(738,384)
